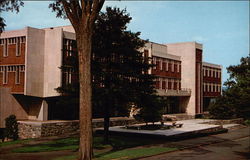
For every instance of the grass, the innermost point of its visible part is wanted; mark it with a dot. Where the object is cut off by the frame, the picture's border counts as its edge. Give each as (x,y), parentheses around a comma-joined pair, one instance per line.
(125,154)
(132,153)
(56,145)
(116,143)
(3,144)
(120,148)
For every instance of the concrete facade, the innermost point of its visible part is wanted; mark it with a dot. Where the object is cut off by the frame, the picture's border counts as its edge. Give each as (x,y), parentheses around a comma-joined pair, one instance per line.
(40,61)
(179,68)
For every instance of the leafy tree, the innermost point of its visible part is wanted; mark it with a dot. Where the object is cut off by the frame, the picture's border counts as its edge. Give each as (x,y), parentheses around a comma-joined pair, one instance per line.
(11,130)
(120,77)
(151,108)
(82,15)
(119,68)
(235,100)
(8,5)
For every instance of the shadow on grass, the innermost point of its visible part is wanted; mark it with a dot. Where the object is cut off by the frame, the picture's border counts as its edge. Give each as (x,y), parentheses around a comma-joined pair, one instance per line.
(116,143)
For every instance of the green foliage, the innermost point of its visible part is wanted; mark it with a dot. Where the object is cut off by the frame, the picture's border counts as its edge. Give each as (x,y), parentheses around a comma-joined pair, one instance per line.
(222,109)
(8,5)
(150,108)
(118,65)
(247,122)
(235,100)
(11,130)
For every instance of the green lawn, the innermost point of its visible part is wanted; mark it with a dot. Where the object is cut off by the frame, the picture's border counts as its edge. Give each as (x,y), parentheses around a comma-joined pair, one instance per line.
(3,144)
(116,143)
(125,154)
(120,148)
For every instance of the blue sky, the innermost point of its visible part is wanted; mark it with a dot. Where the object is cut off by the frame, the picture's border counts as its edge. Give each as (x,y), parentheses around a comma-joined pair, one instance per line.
(221,26)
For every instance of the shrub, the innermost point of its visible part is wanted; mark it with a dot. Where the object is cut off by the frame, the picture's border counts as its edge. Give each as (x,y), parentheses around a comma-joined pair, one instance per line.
(11,130)
(247,122)
(221,109)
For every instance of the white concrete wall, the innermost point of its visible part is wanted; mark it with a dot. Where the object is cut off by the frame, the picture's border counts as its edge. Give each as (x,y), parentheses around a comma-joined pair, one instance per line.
(160,50)
(13,33)
(52,61)
(187,52)
(34,62)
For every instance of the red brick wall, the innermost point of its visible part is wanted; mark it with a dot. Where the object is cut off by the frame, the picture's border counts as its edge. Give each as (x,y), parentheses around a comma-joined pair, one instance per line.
(11,60)
(213,76)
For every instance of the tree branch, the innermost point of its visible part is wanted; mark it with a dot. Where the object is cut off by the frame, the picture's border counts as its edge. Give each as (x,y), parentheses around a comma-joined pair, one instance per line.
(97,6)
(69,14)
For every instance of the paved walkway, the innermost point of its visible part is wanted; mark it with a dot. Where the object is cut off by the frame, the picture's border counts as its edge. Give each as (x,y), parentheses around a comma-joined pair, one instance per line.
(234,145)
(193,126)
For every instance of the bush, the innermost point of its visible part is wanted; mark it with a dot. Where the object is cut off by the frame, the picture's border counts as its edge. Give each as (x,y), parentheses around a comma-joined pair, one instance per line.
(151,109)
(221,109)
(247,122)
(11,130)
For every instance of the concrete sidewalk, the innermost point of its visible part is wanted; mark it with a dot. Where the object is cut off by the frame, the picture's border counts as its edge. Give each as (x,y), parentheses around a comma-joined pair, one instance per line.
(190,128)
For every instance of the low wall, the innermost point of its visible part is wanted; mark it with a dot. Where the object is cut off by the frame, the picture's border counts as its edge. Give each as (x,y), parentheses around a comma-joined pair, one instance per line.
(35,129)
(229,121)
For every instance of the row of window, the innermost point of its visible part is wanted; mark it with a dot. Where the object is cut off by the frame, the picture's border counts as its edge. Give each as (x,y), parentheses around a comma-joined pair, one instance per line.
(168,83)
(13,40)
(15,68)
(69,47)
(10,41)
(163,64)
(208,72)
(211,87)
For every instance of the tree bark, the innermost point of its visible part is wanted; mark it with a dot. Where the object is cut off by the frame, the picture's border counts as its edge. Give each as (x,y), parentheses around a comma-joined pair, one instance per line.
(85,112)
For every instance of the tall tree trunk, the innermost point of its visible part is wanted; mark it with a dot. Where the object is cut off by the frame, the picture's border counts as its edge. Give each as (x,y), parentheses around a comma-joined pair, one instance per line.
(84,40)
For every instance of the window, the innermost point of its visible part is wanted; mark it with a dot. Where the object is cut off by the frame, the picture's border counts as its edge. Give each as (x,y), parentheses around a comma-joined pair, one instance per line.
(178,68)
(169,84)
(169,66)
(164,68)
(17,74)
(157,65)
(157,84)
(5,48)
(5,75)
(175,67)
(18,47)
(12,40)
(1,41)
(163,84)
(23,39)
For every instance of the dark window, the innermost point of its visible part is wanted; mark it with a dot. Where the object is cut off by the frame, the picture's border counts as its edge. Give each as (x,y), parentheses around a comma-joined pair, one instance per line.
(169,85)
(163,85)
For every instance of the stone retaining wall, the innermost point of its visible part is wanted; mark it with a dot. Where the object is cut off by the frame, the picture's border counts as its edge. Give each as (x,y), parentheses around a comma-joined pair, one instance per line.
(35,129)
(229,121)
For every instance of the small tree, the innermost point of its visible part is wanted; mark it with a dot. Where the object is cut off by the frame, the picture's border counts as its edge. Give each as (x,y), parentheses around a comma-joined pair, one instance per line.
(11,130)
(151,108)
(235,100)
